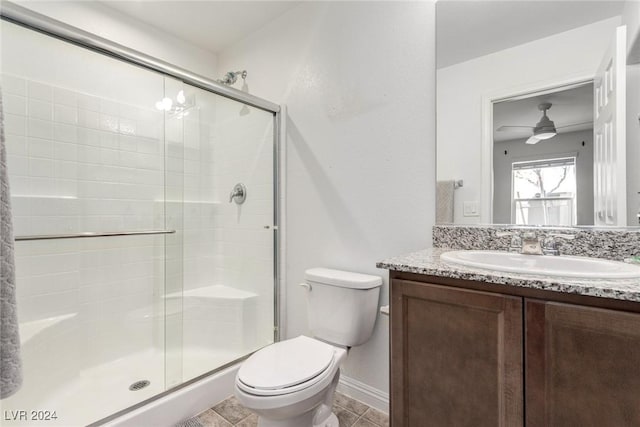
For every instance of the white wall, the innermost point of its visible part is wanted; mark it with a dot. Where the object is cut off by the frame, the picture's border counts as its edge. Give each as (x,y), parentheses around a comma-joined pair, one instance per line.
(358,82)
(113,25)
(631,18)
(461,88)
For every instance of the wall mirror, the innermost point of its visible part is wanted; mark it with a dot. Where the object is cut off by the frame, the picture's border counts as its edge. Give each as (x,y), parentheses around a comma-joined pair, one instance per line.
(538,107)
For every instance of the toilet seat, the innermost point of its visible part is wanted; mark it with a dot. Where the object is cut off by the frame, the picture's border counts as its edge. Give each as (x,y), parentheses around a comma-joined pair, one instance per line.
(287,367)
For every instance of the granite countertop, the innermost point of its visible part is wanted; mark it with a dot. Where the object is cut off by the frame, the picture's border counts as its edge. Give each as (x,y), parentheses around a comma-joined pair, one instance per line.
(428,262)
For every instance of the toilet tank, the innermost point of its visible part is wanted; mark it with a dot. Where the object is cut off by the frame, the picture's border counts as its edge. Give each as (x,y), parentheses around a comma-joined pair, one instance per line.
(342,305)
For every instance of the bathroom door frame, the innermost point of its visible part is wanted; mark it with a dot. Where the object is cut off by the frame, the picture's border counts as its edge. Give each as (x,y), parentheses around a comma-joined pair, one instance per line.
(504,94)
(21,16)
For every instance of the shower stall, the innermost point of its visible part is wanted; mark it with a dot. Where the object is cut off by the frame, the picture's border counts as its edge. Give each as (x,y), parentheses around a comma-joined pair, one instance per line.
(137,271)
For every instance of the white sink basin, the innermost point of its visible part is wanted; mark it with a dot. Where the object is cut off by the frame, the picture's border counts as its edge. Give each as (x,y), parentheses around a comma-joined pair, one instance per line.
(567,266)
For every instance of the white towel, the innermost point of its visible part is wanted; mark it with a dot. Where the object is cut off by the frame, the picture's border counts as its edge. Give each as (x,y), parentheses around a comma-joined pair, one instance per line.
(444,201)
(10,363)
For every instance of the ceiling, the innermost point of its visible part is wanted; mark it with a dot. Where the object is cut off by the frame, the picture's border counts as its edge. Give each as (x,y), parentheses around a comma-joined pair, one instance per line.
(569,107)
(470,29)
(211,24)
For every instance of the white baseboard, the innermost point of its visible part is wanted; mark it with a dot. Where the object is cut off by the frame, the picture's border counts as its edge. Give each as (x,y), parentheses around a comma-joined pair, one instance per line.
(364,393)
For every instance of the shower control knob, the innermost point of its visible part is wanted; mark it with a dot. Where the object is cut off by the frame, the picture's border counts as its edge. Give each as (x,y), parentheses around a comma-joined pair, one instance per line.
(238,194)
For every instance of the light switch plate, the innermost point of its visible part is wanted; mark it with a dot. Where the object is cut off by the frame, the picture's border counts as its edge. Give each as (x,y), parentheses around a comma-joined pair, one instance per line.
(470,209)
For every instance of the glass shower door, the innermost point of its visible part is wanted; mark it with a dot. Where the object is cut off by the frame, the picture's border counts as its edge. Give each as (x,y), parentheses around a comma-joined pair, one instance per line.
(228,246)
(186,284)
(86,154)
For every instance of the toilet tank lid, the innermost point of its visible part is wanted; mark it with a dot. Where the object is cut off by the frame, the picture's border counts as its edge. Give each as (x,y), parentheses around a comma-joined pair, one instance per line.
(343,279)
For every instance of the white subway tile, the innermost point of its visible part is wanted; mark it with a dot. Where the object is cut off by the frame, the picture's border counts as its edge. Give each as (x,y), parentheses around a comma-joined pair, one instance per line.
(108,123)
(109,140)
(16,145)
(18,165)
(109,107)
(149,129)
(15,104)
(65,151)
(88,154)
(15,124)
(38,109)
(65,97)
(127,126)
(127,143)
(40,148)
(147,145)
(40,128)
(19,185)
(22,225)
(65,114)
(88,118)
(40,91)
(65,133)
(89,137)
(66,170)
(41,168)
(88,102)
(14,85)
(109,157)
(39,186)
(66,187)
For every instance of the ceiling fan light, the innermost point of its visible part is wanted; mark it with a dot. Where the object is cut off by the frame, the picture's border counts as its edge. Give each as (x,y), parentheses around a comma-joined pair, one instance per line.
(545,135)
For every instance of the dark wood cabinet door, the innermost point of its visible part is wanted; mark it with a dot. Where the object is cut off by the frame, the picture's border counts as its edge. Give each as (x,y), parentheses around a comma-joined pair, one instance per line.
(456,357)
(582,366)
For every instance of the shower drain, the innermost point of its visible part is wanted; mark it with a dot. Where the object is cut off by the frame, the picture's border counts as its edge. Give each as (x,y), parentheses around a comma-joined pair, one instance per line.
(139,385)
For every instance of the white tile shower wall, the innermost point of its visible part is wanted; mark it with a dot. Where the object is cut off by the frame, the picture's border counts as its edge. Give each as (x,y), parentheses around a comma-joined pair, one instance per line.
(78,163)
(226,244)
(243,141)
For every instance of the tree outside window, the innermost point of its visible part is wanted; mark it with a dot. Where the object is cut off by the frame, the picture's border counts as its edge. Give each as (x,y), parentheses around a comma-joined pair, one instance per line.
(544,192)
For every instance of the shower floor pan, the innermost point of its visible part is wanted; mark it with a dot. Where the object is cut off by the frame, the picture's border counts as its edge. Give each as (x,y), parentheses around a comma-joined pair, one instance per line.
(103,390)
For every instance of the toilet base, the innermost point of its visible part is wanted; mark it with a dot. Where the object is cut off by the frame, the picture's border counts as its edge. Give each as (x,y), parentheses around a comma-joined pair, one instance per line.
(332,421)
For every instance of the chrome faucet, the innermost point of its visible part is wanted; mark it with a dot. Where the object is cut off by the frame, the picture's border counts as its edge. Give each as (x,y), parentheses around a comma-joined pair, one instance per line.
(524,243)
(531,244)
(550,245)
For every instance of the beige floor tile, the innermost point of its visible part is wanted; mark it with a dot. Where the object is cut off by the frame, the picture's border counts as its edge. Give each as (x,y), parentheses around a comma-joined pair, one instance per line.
(250,421)
(231,410)
(211,418)
(377,417)
(352,405)
(345,417)
(364,423)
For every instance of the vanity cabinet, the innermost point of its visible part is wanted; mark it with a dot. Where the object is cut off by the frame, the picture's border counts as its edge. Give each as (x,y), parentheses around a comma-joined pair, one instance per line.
(456,357)
(463,354)
(582,366)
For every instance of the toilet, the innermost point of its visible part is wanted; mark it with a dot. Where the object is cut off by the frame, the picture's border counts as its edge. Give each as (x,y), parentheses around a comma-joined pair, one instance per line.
(291,383)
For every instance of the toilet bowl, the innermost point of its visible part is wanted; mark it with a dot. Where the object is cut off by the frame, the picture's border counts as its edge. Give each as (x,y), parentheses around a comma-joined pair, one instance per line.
(292,383)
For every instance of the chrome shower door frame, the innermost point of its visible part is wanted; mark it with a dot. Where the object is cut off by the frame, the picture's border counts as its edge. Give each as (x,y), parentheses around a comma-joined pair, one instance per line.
(13,13)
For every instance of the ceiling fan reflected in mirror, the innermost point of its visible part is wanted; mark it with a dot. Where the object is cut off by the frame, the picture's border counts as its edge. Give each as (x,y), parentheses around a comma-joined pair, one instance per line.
(544,129)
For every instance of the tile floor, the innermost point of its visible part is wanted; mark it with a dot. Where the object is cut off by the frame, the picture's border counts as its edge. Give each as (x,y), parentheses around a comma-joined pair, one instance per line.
(229,413)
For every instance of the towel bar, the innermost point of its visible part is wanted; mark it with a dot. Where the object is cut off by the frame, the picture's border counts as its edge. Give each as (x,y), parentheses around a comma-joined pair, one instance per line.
(91,234)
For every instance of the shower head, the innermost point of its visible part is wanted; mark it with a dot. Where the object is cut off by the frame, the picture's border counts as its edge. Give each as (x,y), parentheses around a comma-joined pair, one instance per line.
(232,76)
